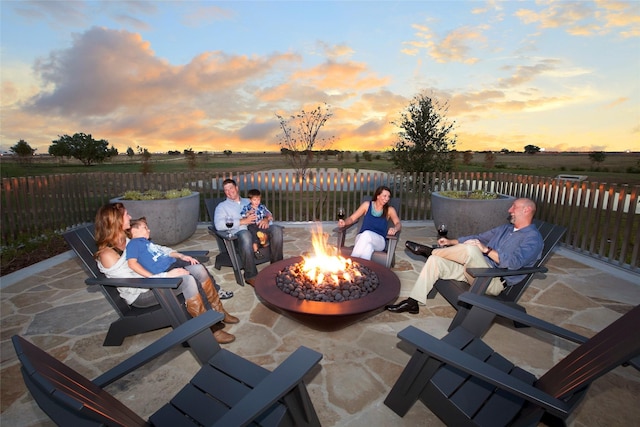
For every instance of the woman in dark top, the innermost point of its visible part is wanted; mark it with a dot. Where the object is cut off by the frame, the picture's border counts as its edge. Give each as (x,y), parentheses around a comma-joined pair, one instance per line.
(374,230)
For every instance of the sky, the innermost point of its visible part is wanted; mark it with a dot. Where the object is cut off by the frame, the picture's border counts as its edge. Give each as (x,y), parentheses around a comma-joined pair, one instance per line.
(213,75)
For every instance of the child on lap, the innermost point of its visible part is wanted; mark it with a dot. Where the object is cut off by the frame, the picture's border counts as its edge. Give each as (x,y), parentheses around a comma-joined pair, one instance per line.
(261,211)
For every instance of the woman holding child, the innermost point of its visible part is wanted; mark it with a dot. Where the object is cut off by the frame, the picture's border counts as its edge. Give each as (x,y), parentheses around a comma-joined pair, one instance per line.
(111,227)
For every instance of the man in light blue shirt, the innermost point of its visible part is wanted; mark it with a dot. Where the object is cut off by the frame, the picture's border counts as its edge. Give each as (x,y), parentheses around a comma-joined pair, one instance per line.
(510,246)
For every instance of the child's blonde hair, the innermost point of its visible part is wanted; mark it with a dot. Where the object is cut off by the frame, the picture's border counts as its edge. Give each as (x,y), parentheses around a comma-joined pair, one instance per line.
(135,223)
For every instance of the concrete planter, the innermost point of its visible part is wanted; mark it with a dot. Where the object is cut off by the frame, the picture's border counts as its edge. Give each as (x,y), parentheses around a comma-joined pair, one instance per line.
(469,216)
(171,220)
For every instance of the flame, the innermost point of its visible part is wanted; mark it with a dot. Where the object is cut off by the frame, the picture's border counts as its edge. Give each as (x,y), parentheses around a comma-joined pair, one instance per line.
(325,264)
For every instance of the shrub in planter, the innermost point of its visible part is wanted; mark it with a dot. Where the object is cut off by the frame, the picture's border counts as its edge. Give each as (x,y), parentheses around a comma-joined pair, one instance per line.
(172,215)
(469,212)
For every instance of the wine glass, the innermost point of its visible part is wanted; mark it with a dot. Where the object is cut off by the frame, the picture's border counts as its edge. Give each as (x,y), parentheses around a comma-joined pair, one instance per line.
(228,221)
(341,213)
(442,231)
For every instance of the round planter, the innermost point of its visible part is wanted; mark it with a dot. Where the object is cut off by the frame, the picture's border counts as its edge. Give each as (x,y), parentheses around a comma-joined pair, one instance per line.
(171,221)
(464,217)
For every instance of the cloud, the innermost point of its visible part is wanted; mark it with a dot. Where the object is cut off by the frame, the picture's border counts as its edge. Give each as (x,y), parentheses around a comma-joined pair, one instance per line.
(207,14)
(526,73)
(586,18)
(334,52)
(617,102)
(57,13)
(455,46)
(116,72)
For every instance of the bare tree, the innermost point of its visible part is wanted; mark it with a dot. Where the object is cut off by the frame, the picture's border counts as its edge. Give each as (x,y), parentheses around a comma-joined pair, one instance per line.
(300,136)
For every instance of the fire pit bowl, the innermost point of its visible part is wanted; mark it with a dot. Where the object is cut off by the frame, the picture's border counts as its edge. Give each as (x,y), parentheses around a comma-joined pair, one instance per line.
(326,316)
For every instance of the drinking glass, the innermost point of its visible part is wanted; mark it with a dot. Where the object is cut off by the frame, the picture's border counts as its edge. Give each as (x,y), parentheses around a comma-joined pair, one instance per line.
(442,232)
(228,221)
(341,213)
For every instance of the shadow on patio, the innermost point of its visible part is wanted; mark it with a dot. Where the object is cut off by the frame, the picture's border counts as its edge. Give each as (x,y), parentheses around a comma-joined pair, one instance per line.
(53,309)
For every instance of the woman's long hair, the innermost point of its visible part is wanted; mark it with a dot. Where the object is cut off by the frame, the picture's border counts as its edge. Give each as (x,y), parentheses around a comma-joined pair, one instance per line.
(108,226)
(379,191)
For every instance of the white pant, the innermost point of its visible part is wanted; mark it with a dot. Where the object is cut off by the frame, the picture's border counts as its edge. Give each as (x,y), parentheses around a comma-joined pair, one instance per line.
(366,243)
(451,263)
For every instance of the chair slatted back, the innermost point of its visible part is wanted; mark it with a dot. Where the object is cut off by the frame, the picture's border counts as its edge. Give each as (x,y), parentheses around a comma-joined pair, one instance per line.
(82,241)
(551,235)
(609,348)
(67,397)
(211,204)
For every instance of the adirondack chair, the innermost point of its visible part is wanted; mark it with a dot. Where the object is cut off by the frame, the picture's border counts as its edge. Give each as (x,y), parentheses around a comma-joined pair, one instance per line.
(452,289)
(387,256)
(466,383)
(131,320)
(229,255)
(227,391)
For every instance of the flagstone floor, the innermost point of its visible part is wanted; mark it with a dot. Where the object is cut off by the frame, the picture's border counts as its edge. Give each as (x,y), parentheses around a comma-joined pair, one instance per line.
(54,309)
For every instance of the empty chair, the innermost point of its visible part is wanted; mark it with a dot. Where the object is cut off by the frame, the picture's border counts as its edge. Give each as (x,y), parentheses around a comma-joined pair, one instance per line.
(466,383)
(227,391)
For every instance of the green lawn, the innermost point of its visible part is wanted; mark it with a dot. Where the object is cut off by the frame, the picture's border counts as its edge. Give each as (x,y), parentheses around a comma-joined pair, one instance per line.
(617,167)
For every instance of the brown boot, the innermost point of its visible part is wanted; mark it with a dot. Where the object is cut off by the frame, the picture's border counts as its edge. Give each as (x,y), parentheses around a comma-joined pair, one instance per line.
(214,300)
(223,337)
(195,307)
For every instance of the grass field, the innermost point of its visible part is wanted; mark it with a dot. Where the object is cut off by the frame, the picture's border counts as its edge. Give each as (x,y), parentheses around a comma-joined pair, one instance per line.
(616,168)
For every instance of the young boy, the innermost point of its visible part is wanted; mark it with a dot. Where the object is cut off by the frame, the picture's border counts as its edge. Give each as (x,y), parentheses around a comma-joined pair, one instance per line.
(261,211)
(147,258)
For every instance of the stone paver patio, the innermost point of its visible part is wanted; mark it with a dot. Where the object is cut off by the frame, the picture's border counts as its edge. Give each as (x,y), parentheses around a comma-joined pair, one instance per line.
(54,309)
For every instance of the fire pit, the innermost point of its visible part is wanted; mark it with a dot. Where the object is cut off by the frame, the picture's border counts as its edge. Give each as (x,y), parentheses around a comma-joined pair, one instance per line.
(326,315)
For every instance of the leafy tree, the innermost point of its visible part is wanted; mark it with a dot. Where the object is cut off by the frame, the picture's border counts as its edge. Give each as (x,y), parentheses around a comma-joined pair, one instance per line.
(531,149)
(300,136)
(426,139)
(367,156)
(597,157)
(130,152)
(23,150)
(82,147)
(227,152)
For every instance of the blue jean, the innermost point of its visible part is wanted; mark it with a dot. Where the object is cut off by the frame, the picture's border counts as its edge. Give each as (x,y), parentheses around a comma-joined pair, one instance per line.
(245,242)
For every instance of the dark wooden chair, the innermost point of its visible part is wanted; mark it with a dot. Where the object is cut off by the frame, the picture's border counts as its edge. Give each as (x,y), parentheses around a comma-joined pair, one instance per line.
(387,256)
(131,320)
(229,255)
(227,391)
(465,383)
(452,289)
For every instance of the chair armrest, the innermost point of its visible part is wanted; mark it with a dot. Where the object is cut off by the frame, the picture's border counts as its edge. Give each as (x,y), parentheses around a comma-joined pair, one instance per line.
(451,355)
(148,283)
(503,310)
(272,388)
(201,256)
(177,336)
(501,272)
(224,235)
